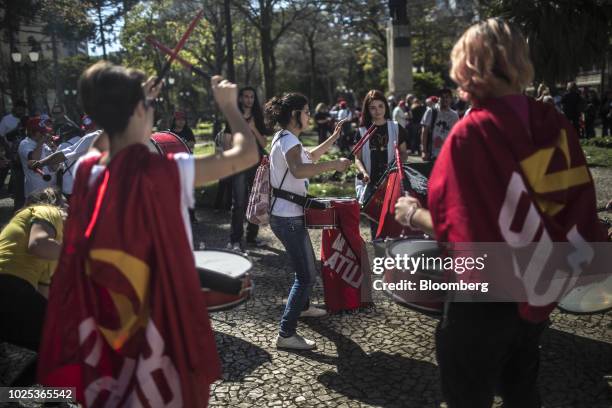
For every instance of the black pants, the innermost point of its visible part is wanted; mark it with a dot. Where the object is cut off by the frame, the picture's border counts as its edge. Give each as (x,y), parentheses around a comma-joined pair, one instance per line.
(17,187)
(241,189)
(22,312)
(484,349)
(224,194)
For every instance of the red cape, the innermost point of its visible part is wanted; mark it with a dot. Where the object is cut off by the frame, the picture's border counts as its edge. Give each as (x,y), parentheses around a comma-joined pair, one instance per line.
(490,151)
(125,309)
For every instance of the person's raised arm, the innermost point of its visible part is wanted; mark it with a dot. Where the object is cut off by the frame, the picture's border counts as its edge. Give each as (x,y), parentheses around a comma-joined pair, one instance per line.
(321,149)
(243,153)
(303,170)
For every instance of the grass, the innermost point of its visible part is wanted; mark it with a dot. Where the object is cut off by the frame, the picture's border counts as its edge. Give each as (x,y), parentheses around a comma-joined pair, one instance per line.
(598,156)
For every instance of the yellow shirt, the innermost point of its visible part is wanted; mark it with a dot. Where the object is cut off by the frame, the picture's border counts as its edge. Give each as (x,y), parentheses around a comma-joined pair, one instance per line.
(14,238)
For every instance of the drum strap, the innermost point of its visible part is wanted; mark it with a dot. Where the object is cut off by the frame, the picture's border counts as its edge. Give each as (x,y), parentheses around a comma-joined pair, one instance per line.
(306,202)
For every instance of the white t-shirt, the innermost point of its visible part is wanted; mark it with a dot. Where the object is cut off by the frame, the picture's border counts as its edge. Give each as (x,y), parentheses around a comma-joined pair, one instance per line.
(34,181)
(186,166)
(445,120)
(399,116)
(8,123)
(72,150)
(278,166)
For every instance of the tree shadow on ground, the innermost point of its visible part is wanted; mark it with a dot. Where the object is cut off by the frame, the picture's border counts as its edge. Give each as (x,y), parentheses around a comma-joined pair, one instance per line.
(378,378)
(239,358)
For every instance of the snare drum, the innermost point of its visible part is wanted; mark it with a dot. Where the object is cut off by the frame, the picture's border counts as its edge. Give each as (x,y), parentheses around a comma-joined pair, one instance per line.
(428,302)
(373,207)
(323,218)
(164,143)
(589,299)
(224,278)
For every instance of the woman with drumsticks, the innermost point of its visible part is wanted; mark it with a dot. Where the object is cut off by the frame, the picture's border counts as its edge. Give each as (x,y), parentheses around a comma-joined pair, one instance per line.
(378,152)
(126,283)
(511,172)
(290,167)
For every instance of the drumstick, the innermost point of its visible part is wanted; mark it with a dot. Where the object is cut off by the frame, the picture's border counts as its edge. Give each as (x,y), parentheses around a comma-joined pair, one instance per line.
(364,139)
(178,48)
(153,41)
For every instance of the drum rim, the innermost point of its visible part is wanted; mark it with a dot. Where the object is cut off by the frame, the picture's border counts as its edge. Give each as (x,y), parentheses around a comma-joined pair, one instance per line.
(246,296)
(156,144)
(227,251)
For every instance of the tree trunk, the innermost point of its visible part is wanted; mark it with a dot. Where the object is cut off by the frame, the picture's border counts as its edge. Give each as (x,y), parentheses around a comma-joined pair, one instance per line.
(59,97)
(101,25)
(229,41)
(313,65)
(266,61)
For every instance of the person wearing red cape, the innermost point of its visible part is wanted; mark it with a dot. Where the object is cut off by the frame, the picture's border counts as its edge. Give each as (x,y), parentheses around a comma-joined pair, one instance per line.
(126,322)
(511,165)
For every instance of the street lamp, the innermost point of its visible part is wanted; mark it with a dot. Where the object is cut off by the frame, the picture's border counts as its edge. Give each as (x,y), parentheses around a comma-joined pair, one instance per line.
(16,56)
(170,81)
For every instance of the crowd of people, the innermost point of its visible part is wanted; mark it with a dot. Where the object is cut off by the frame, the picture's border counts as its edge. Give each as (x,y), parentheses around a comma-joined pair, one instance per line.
(99,291)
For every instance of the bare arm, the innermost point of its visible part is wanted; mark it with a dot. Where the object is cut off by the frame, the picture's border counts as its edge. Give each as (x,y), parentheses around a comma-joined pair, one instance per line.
(424,141)
(324,147)
(361,167)
(306,170)
(42,241)
(243,154)
(408,211)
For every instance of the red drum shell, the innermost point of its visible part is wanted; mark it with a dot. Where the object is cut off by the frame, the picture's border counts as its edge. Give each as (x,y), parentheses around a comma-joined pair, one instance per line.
(164,143)
(230,264)
(323,218)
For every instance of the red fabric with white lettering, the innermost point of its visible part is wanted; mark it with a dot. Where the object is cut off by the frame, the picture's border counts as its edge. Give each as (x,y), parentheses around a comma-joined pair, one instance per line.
(125,309)
(344,263)
(486,154)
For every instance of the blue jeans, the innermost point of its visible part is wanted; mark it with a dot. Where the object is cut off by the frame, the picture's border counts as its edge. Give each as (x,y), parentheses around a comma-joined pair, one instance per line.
(292,233)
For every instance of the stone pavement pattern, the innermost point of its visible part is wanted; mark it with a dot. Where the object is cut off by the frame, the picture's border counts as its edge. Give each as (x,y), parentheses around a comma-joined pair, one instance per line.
(381,357)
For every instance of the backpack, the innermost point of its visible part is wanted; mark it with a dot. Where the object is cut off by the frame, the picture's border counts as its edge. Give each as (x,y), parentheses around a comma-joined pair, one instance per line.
(259,208)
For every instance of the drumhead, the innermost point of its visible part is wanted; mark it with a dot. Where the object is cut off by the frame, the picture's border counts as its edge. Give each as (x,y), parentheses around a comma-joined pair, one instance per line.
(413,247)
(166,142)
(593,298)
(225,262)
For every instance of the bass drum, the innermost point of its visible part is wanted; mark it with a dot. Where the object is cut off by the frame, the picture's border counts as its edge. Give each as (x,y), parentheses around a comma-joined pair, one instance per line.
(164,143)
(425,301)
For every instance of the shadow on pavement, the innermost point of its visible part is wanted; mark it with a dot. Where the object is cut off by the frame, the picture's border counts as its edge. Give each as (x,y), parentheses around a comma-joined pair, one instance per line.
(378,378)
(238,357)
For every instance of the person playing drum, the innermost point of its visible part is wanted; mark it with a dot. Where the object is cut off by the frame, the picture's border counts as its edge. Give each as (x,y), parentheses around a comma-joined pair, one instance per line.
(126,282)
(475,189)
(379,151)
(290,167)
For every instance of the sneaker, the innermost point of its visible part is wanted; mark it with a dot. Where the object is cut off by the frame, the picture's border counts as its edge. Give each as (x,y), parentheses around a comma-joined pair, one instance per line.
(313,312)
(295,342)
(234,246)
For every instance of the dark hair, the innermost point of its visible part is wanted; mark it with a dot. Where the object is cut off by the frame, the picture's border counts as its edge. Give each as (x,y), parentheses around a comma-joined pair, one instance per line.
(279,110)
(445,91)
(46,196)
(256,111)
(373,95)
(110,93)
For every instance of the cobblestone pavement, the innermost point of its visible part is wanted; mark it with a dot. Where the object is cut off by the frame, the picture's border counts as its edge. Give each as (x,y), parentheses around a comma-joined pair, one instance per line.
(380,357)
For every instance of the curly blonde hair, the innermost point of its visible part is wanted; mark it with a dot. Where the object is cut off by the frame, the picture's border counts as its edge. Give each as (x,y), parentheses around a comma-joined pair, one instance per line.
(489,54)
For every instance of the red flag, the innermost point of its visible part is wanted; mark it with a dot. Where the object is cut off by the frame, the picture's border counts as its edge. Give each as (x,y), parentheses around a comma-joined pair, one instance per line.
(345,266)
(126,321)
